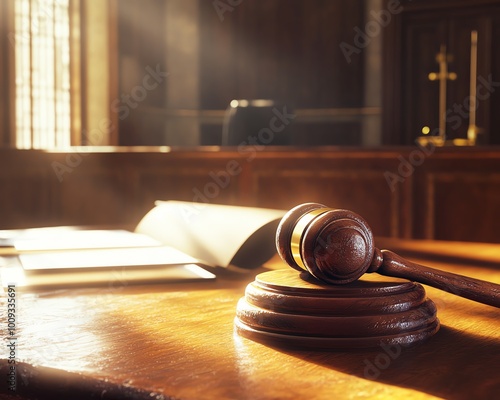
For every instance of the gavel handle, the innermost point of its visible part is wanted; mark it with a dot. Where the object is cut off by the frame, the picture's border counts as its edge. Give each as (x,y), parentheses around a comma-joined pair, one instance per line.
(473,289)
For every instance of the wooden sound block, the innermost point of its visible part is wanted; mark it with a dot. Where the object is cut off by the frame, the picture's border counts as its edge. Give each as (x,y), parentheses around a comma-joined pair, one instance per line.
(284,307)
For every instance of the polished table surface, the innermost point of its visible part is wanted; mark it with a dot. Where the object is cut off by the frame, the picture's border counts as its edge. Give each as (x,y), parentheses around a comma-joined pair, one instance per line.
(177,341)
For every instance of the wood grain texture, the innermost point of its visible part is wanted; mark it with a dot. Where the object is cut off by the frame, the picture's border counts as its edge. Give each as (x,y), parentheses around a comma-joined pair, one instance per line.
(177,341)
(283,308)
(460,285)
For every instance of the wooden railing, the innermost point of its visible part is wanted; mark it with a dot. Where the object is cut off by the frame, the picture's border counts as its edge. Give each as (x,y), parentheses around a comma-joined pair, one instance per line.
(410,192)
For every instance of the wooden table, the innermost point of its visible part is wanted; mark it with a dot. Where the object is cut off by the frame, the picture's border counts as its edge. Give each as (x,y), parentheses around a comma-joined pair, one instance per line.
(177,341)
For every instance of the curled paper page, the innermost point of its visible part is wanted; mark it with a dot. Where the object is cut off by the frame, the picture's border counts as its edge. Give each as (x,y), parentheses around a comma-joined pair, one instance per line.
(217,235)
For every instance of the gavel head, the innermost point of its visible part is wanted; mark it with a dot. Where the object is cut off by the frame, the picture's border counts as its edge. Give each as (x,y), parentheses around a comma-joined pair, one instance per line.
(335,246)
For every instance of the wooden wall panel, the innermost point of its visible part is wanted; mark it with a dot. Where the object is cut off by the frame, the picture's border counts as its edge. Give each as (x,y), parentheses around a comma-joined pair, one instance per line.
(457,196)
(142,45)
(353,180)
(24,197)
(281,49)
(91,197)
(453,195)
(494,121)
(211,184)
(462,207)
(344,133)
(362,191)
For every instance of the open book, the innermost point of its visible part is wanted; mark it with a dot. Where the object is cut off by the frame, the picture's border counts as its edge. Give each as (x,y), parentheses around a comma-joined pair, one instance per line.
(175,241)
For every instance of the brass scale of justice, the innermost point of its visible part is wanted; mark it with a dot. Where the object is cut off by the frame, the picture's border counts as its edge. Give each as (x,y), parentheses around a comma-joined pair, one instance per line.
(325,306)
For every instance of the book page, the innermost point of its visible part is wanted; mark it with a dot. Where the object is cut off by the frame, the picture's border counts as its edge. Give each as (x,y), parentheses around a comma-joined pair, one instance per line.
(214,233)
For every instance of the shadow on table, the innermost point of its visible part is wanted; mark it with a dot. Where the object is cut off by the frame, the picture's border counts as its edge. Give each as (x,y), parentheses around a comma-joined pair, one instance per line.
(43,383)
(452,364)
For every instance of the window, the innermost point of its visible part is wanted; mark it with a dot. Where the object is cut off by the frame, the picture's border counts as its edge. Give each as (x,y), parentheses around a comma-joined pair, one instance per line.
(42,74)
(58,78)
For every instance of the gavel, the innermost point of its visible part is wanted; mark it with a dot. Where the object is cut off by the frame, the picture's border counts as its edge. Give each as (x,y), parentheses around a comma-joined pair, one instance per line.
(336,246)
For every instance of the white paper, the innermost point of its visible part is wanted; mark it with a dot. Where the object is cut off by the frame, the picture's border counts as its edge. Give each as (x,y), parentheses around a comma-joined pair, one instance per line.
(110,278)
(105,258)
(67,238)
